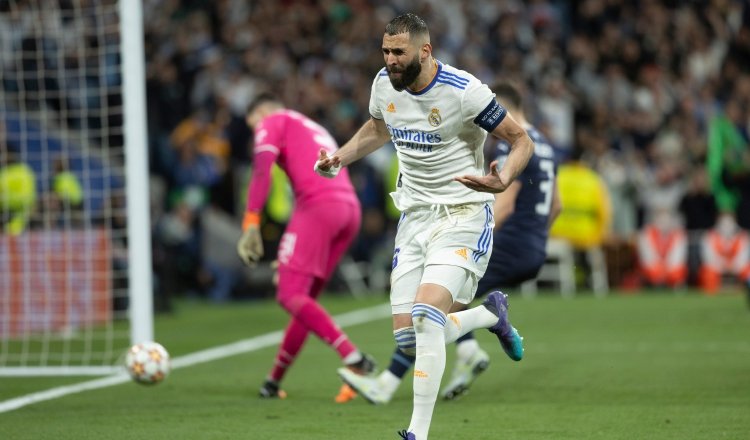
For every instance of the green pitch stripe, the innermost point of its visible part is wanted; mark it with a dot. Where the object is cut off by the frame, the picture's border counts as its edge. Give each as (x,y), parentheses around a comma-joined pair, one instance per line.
(356,317)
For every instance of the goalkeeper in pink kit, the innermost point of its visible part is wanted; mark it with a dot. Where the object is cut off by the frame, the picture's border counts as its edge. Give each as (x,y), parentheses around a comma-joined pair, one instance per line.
(325,221)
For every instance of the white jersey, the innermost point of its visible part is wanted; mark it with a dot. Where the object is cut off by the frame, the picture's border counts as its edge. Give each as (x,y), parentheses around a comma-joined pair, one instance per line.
(439,133)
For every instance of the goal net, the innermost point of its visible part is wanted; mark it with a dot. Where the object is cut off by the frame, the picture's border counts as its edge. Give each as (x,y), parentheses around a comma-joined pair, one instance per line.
(73,194)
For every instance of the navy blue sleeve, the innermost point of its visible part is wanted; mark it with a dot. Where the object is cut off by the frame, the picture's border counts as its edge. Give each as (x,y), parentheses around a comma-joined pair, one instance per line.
(491,116)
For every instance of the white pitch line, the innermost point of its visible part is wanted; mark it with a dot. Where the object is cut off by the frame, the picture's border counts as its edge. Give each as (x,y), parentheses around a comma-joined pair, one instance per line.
(244,346)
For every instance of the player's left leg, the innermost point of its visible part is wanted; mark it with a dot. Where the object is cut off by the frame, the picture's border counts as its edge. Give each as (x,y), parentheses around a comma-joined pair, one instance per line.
(349,218)
(316,237)
(431,306)
(441,285)
(379,390)
(293,295)
(294,339)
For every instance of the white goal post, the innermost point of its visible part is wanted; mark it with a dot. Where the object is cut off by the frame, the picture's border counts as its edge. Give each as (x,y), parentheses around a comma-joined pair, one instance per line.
(75,232)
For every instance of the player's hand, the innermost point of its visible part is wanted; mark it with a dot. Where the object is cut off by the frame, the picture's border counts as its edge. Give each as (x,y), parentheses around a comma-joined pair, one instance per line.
(491,183)
(327,166)
(250,246)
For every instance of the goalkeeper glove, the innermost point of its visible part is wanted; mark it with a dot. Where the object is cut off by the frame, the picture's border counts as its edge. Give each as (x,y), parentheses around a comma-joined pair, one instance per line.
(250,244)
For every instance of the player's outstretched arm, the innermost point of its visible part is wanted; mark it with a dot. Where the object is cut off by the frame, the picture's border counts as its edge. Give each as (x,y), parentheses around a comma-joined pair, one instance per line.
(521,150)
(372,135)
(490,183)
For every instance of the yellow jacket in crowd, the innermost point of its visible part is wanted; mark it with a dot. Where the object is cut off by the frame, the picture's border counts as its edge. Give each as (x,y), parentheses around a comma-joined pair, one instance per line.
(586,213)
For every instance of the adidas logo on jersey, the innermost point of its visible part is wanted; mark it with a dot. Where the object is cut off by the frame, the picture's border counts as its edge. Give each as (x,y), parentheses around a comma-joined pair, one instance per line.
(421,374)
(391,108)
(462,253)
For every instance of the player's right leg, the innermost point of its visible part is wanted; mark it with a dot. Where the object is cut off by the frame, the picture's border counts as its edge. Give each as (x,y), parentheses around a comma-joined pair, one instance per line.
(471,362)
(345,219)
(510,340)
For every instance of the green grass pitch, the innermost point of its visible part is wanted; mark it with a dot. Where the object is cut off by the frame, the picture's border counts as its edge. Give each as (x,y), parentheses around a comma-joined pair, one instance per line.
(647,366)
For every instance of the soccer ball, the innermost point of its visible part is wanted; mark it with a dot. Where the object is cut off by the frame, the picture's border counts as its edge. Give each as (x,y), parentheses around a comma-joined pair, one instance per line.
(147,363)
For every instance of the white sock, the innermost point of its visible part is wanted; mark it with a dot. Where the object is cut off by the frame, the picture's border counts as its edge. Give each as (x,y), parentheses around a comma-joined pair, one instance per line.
(389,382)
(353,357)
(429,326)
(460,323)
(466,349)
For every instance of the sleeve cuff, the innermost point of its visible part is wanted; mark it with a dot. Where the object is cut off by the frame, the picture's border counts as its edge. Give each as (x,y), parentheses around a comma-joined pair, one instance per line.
(251,219)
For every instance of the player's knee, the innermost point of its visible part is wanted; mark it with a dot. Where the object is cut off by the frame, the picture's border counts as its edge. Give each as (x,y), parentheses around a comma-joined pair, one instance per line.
(290,302)
(425,316)
(406,340)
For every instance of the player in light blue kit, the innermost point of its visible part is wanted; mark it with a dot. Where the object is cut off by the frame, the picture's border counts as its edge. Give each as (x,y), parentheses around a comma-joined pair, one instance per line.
(523,215)
(438,118)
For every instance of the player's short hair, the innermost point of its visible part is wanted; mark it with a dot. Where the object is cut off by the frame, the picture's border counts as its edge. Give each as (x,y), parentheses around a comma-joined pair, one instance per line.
(262,98)
(508,92)
(411,23)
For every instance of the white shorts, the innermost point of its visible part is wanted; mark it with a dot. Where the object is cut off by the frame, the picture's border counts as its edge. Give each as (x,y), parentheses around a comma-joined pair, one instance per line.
(458,236)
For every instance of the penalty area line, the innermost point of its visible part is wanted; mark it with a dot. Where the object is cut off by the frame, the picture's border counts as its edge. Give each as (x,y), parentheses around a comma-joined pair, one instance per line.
(348,319)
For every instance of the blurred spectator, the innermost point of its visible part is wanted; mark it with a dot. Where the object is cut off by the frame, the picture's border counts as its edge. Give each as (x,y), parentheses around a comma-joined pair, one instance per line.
(617,171)
(663,251)
(725,251)
(586,216)
(17,193)
(201,150)
(181,267)
(62,198)
(698,205)
(556,109)
(644,78)
(699,212)
(729,161)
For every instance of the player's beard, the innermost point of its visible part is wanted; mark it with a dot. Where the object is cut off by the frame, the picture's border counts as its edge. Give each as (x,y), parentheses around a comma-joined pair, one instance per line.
(408,75)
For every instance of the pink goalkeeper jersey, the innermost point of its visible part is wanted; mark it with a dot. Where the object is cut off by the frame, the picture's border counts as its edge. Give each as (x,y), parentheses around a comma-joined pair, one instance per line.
(293,140)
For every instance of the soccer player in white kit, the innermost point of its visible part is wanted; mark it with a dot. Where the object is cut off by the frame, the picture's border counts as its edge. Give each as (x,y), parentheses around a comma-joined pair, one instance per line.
(438,118)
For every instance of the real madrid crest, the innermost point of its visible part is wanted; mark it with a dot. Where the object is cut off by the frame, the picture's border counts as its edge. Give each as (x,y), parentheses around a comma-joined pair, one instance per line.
(434,117)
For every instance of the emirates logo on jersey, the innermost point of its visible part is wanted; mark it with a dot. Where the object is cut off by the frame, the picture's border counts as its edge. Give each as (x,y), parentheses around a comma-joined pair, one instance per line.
(434,117)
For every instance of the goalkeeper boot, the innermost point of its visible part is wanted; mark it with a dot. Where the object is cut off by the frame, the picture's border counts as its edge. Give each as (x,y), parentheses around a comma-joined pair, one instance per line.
(364,367)
(346,393)
(368,387)
(512,343)
(407,435)
(465,373)
(270,390)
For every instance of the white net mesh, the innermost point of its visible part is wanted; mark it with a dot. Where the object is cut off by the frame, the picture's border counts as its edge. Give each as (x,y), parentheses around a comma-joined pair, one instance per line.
(63,248)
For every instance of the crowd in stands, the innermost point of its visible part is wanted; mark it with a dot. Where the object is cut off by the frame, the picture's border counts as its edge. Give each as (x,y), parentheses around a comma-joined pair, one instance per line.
(653,95)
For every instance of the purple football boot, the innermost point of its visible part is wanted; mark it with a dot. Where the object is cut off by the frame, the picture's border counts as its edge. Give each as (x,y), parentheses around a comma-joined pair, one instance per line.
(511,341)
